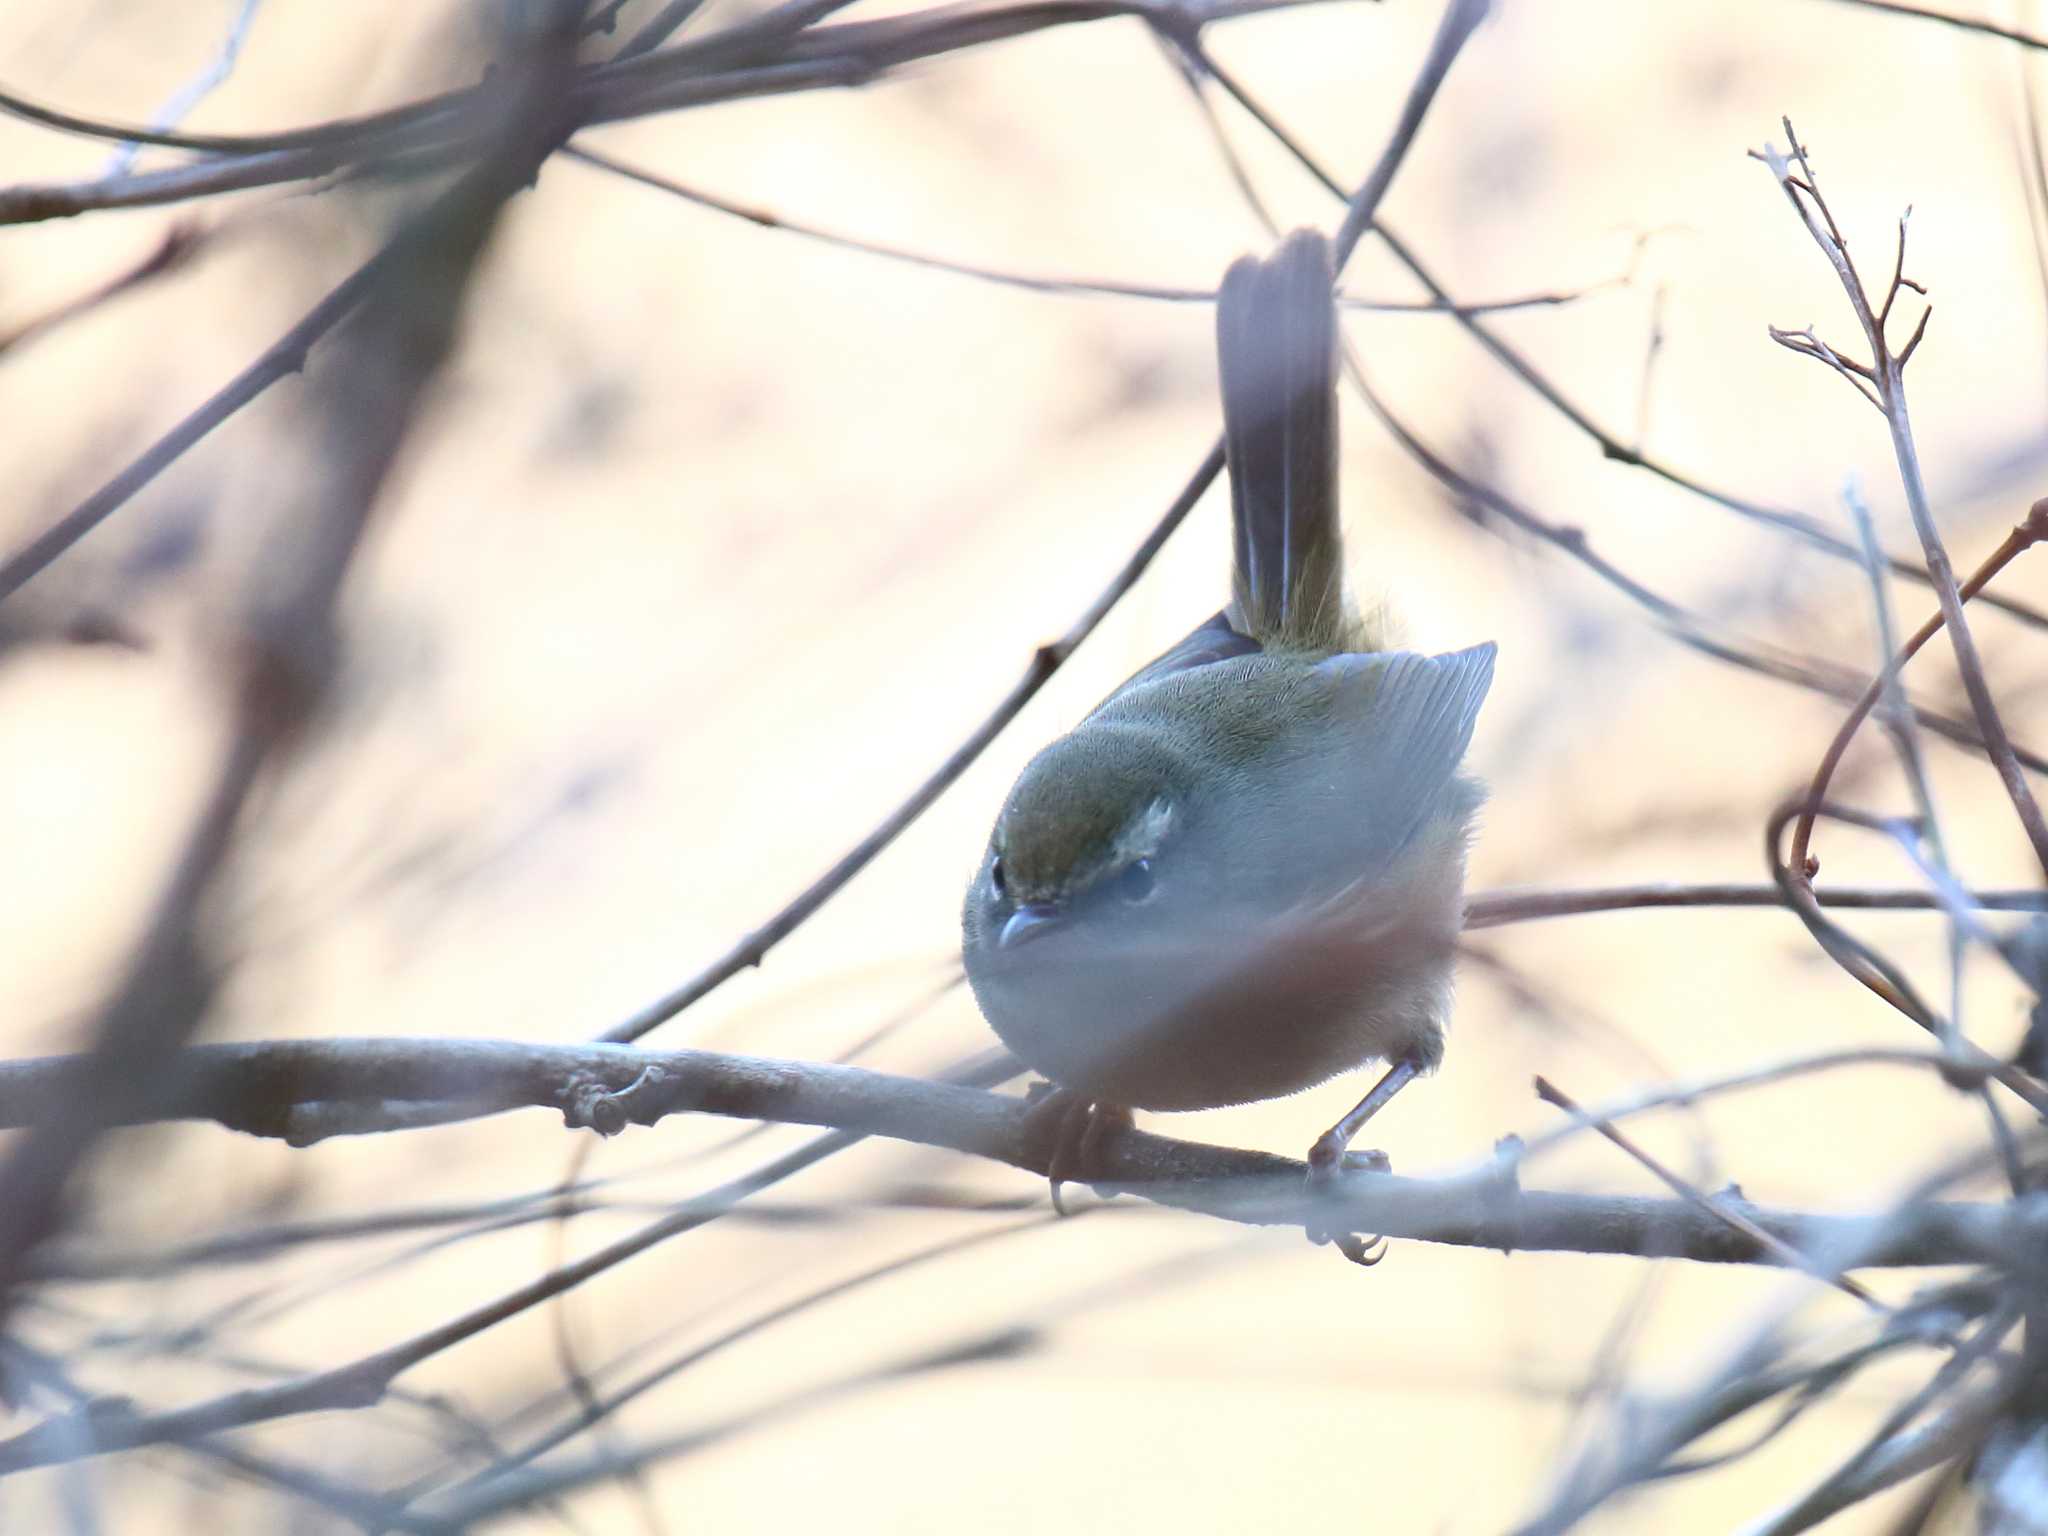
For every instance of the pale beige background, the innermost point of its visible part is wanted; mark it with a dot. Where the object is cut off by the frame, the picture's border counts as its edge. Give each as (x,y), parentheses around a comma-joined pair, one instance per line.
(717,540)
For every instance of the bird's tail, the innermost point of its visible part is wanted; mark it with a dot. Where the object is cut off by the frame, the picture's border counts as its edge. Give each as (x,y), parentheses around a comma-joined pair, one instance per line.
(1276,338)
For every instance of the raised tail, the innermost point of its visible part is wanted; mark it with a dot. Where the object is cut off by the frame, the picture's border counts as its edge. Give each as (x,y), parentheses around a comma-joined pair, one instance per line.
(1276,339)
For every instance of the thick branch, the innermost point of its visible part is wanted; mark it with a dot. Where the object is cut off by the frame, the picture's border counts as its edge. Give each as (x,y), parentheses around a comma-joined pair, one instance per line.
(261,1087)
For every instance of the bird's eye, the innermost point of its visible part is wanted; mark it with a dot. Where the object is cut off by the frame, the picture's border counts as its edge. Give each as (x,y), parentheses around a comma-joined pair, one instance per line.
(1137,883)
(995,878)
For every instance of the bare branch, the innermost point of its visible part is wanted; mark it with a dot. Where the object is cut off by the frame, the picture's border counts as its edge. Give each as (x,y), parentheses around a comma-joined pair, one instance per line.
(1890,387)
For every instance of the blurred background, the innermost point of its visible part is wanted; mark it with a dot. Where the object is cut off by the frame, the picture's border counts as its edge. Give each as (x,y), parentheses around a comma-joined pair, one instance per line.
(714,540)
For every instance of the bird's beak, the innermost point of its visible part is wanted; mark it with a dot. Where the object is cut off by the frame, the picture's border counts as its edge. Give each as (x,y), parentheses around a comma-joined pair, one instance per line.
(1026,923)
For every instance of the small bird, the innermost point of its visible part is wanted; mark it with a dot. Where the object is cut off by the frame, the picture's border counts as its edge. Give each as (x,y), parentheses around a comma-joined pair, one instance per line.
(1243,873)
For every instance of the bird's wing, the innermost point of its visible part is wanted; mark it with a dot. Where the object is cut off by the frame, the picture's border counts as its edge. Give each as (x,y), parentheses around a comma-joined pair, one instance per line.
(1401,723)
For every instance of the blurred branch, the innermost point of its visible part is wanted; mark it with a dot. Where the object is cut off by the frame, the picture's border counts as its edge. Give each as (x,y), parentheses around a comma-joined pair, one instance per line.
(36,202)
(979,1345)
(1862,962)
(177,246)
(280,360)
(653,1376)
(1955,1431)
(365,408)
(1647,1436)
(1891,1453)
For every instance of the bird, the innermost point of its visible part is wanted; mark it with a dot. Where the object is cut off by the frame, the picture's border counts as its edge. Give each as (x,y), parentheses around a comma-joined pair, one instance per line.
(1242,873)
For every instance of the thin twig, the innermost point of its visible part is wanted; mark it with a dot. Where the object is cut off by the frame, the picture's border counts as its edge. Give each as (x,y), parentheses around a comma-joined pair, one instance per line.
(1873,970)
(1494,909)
(1689,1095)
(1784,1252)
(1032,283)
(1947,18)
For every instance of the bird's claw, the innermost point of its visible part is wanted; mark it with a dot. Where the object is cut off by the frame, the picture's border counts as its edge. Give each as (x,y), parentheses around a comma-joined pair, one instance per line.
(1328,1168)
(1362,1251)
(1077,1128)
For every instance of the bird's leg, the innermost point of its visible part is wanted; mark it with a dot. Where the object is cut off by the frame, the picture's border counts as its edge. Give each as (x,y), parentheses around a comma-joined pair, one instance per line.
(1331,1158)
(1076,1127)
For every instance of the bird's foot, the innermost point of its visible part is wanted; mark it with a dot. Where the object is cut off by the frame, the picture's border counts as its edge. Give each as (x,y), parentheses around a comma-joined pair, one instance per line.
(1330,1164)
(1077,1129)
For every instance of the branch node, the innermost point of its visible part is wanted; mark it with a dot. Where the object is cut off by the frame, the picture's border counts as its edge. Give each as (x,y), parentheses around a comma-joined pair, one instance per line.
(589,1102)
(2034,526)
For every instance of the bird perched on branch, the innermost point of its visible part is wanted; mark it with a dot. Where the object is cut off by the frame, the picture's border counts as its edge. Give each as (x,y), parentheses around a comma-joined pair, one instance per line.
(1243,872)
